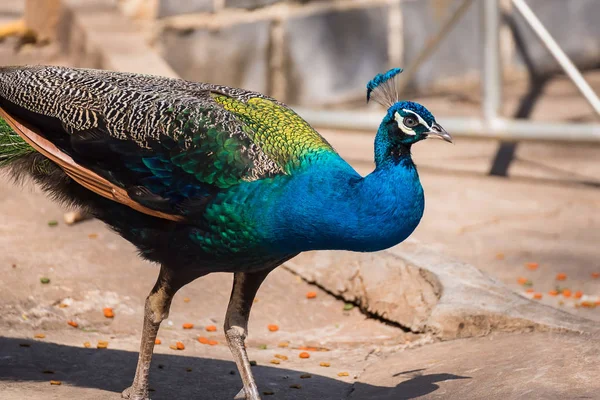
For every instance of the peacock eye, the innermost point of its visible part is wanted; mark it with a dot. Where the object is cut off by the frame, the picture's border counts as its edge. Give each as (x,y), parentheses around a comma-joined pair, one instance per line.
(410,122)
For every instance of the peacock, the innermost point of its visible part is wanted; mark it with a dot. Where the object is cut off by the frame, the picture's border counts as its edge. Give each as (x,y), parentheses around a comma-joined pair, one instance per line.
(205,178)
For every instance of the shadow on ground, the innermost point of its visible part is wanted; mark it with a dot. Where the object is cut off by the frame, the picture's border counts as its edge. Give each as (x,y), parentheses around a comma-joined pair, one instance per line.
(176,376)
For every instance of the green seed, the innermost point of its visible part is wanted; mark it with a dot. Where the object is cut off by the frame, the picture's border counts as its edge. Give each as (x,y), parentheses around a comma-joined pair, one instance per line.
(262,347)
(45,280)
(348,306)
(253,363)
(52,223)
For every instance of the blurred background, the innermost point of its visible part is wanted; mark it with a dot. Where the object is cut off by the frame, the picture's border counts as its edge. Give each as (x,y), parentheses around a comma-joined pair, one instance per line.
(517,194)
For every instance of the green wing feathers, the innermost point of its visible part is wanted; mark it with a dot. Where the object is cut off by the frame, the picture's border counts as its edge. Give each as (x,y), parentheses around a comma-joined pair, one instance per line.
(277,130)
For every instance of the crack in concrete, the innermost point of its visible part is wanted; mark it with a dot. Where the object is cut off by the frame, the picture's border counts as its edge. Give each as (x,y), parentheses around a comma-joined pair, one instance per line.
(357,303)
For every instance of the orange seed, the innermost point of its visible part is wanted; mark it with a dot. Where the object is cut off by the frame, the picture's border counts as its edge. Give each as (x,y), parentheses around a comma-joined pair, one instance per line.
(304,355)
(73,324)
(273,327)
(311,295)
(203,340)
(561,277)
(211,328)
(187,325)
(532,266)
(108,312)
(157,341)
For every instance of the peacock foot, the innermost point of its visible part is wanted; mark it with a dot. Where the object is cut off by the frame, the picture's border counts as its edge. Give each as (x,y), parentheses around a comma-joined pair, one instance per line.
(242,395)
(129,394)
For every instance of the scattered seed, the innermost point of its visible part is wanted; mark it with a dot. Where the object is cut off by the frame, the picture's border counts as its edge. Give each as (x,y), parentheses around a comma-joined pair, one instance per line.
(553,293)
(87,345)
(268,393)
(102,344)
(187,325)
(343,374)
(262,346)
(63,305)
(281,357)
(325,364)
(93,235)
(273,328)
(595,275)
(311,295)
(532,266)
(213,342)
(186,299)
(232,372)
(211,328)
(188,369)
(24,345)
(588,304)
(47,371)
(304,355)
(160,366)
(203,340)
(14,265)
(566,292)
(295,386)
(73,324)
(305,376)
(522,281)
(52,223)
(561,277)
(39,336)
(157,341)
(308,348)
(275,361)
(177,346)
(108,312)
(348,306)
(45,280)
(56,383)
(283,344)
(578,294)
(537,296)
(253,363)
(530,290)
(500,256)
(528,283)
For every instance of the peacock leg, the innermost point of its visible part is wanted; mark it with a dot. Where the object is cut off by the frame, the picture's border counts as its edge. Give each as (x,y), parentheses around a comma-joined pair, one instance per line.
(156,310)
(245,286)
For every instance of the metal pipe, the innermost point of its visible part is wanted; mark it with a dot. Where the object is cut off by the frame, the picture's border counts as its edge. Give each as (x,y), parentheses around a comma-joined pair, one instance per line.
(492,64)
(558,54)
(467,127)
(432,44)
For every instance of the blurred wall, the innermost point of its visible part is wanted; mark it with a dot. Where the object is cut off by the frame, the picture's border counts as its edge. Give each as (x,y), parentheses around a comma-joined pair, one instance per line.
(322,52)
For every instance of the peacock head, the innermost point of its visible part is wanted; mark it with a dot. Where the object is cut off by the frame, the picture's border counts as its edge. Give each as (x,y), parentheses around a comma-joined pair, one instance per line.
(406,122)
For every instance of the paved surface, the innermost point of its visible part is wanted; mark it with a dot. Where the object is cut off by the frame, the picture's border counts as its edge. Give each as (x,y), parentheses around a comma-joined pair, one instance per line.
(546,212)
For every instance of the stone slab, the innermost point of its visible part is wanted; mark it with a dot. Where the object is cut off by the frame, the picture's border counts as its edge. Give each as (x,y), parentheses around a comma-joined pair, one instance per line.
(498,367)
(236,56)
(332,55)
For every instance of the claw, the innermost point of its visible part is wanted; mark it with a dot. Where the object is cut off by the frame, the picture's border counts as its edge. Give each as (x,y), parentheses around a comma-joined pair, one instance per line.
(241,395)
(126,394)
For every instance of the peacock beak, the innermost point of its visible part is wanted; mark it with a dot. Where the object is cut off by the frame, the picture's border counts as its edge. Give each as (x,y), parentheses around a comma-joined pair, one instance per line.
(438,132)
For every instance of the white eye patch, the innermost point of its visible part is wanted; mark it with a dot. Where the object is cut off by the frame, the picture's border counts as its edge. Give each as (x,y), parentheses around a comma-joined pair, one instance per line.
(407,130)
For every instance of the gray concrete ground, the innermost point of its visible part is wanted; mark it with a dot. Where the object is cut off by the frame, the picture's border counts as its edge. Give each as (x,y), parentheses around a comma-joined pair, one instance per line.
(546,211)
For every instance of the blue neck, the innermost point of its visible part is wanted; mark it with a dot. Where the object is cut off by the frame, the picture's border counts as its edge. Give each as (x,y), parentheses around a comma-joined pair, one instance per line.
(332,207)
